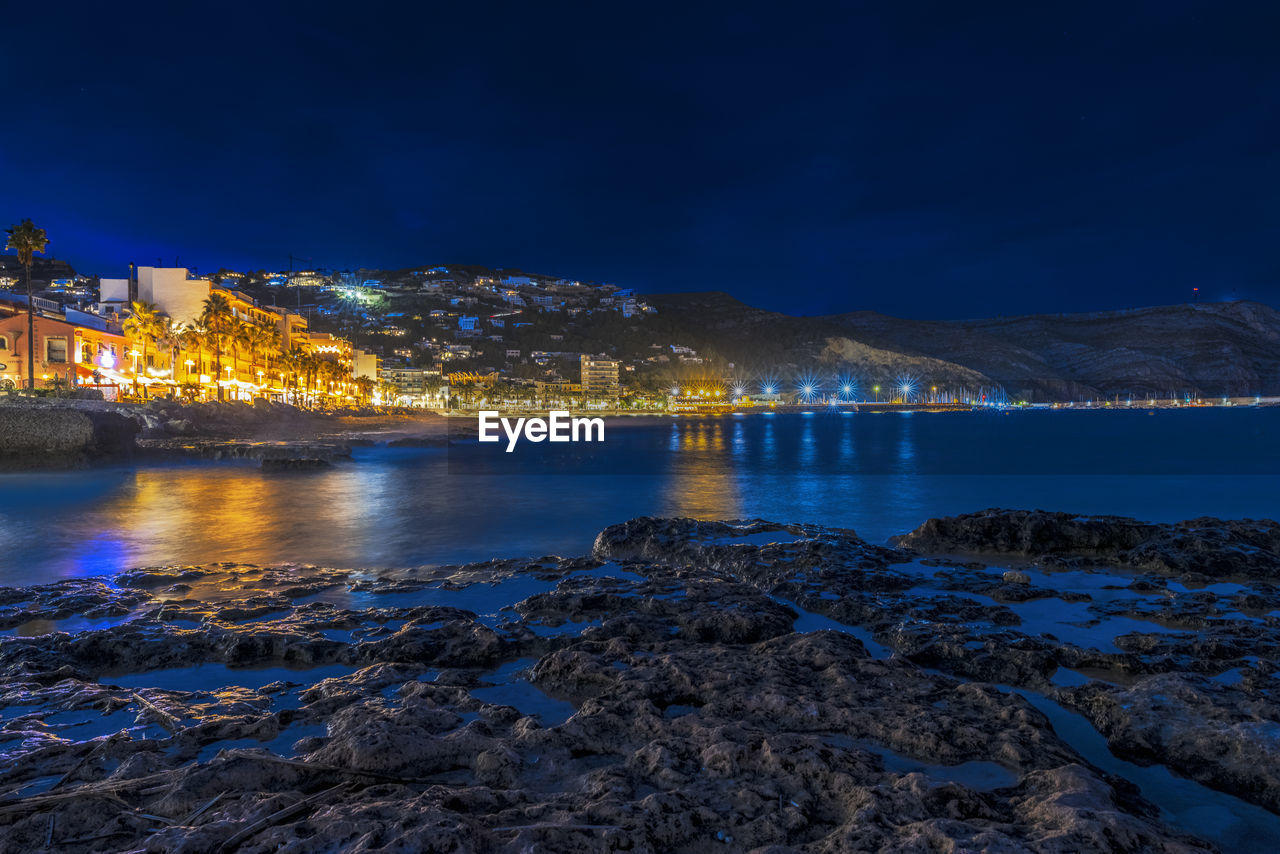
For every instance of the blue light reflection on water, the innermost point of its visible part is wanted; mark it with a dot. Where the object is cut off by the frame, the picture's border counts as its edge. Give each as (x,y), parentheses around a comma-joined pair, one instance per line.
(878,474)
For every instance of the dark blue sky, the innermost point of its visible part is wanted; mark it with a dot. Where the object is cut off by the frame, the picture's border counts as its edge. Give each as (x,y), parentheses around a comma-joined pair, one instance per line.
(922,159)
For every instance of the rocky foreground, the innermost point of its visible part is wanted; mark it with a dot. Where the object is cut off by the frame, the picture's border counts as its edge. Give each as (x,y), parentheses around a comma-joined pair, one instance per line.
(690,686)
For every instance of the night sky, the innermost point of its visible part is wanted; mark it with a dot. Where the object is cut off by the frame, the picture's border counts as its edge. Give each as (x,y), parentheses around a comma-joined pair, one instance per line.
(921,159)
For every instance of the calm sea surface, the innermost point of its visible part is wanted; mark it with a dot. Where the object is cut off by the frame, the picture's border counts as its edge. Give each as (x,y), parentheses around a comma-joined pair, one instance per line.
(880,474)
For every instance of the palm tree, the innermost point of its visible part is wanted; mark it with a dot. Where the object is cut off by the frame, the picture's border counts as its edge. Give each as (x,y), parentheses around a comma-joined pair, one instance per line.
(241,339)
(26,239)
(194,338)
(364,388)
(219,326)
(295,361)
(148,325)
(171,340)
(308,365)
(268,342)
(330,374)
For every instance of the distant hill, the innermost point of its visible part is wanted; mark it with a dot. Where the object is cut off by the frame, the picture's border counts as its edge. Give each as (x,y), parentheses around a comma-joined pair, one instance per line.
(43,270)
(1210,349)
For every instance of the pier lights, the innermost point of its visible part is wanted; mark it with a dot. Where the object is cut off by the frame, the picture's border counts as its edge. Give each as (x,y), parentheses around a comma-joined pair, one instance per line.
(876,389)
(739,391)
(846,389)
(675,391)
(770,389)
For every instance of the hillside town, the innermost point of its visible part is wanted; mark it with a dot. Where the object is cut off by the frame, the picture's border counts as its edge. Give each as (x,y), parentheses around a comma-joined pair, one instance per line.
(464,337)
(437,337)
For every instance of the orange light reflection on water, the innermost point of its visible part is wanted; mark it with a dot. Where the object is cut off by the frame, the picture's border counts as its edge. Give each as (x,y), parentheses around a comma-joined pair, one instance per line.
(704,475)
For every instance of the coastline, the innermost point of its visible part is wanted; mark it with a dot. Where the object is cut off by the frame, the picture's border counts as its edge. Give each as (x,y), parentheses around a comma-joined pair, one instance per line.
(66,433)
(770,677)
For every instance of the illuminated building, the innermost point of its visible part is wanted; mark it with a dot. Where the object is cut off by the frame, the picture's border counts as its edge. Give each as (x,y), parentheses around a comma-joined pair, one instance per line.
(73,347)
(599,376)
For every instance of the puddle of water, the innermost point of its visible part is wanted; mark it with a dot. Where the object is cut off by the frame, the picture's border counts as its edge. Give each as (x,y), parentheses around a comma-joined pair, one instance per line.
(37,786)
(213,676)
(86,724)
(565,629)
(281,745)
(1234,676)
(760,538)
(1068,678)
(512,688)
(612,570)
(1070,622)
(38,628)
(484,599)
(808,621)
(978,775)
(1221,588)
(1226,821)
(18,710)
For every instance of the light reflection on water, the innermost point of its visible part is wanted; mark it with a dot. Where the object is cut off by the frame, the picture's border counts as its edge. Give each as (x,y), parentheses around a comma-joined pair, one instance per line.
(880,475)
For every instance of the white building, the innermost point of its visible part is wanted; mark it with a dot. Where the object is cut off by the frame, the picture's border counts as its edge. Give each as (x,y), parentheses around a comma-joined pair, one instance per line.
(173,293)
(364,364)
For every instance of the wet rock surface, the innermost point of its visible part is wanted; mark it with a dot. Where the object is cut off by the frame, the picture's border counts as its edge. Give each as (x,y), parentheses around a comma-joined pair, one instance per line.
(1215,548)
(744,686)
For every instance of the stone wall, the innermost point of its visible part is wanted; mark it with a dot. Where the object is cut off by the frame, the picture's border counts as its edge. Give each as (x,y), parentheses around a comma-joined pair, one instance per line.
(59,432)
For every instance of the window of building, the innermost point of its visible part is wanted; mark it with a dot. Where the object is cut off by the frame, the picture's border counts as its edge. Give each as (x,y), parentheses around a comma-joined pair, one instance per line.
(56,350)
(86,352)
(4,343)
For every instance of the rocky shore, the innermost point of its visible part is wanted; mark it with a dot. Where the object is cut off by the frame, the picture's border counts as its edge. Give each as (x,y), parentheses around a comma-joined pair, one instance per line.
(1003,681)
(42,432)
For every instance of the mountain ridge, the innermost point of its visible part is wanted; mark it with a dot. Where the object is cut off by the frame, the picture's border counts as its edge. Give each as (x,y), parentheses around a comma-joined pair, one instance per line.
(1203,349)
